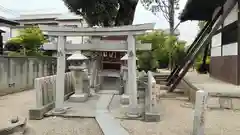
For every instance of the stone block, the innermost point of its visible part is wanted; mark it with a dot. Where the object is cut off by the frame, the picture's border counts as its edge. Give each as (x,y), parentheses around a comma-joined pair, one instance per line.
(213,102)
(152,117)
(124,99)
(236,103)
(141,94)
(78,97)
(38,113)
(225,103)
(17,128)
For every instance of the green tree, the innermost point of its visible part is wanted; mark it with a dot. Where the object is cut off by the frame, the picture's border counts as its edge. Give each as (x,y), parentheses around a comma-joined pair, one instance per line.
(203,59)
(149,60)
(201,25)
(159,55)
(29,40)
(104,12)
(13,44)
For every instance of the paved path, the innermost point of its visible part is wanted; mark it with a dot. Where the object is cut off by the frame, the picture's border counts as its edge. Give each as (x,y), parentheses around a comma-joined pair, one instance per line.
(205,82)
(106,121)
(18,105)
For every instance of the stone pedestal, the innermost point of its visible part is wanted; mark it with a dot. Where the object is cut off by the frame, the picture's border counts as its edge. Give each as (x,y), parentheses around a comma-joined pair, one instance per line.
(79,95)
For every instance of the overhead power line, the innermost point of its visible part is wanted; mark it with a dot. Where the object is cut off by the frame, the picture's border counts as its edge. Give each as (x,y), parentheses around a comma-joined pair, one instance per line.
(5,10)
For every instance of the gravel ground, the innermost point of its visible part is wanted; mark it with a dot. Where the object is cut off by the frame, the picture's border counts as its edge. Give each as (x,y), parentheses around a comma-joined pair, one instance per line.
(178,120)
(18,105)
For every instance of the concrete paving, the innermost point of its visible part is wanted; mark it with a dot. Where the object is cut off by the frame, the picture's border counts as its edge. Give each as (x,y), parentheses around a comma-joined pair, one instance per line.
(106,121)
(79,109)
(206,83)
(18,104)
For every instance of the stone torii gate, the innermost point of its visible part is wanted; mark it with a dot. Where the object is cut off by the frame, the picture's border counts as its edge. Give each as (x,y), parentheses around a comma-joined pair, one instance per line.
(96,44)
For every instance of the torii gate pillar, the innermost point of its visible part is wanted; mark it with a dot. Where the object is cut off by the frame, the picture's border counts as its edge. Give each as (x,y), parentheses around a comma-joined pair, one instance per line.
(132,77)
(61,64)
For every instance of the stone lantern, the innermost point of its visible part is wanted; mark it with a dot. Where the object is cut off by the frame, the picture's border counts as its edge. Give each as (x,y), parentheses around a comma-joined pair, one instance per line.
(124,73)
(78,69)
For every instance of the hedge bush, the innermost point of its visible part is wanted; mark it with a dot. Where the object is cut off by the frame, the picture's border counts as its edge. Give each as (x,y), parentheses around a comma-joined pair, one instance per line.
(200,68)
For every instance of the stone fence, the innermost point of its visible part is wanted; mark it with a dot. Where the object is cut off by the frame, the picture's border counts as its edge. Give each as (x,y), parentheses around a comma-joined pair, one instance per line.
(216,100)
(18,73)
(151,100)
(45,88)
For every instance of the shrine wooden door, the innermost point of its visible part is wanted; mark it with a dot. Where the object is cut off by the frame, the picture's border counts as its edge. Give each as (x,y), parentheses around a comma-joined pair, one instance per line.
(111,60)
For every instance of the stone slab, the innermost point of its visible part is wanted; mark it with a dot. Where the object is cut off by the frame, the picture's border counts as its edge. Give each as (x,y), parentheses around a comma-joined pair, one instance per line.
(116,92)
(110,125)
(104,101)
(213,103)
(79,109)
(10,128)
(74,113)
(38,113)
(78,97)
(152,117)
(124,99)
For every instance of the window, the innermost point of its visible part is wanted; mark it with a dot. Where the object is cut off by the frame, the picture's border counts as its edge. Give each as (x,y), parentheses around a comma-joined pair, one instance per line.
(230,33)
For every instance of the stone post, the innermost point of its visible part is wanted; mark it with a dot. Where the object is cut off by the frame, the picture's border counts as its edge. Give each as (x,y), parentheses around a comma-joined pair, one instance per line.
(93,75)
(30,72)
(125,96)
(40,68)
(199,113)
(61,64)
(132,77)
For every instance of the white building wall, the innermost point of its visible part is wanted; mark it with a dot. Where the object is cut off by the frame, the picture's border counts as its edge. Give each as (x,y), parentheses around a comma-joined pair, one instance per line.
(75,40)
(217,48)
(217,40)
(230,49)
(13,32)
(233,16)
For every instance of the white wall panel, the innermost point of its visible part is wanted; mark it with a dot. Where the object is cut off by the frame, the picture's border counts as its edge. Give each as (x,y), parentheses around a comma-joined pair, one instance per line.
(217,40)
(230,49)
(216,51)
(233,16)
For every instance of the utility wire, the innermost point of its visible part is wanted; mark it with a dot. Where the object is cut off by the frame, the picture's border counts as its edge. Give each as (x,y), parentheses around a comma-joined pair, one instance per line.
(5,10)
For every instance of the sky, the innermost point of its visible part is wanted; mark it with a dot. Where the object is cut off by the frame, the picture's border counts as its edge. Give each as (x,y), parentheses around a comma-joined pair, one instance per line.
(12,8)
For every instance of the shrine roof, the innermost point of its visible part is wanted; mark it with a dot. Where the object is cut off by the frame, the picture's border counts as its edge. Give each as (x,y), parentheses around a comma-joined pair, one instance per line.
(200,9)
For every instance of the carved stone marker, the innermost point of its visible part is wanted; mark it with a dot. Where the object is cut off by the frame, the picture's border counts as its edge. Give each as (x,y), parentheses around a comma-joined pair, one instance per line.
(199,112)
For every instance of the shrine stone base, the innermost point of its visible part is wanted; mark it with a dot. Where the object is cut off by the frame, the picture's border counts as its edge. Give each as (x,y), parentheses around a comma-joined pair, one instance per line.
(78,97)
(124,99)
(151,117)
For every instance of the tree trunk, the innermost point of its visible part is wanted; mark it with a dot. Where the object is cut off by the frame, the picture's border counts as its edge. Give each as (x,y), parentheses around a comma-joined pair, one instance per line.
(203,66)
(171,16)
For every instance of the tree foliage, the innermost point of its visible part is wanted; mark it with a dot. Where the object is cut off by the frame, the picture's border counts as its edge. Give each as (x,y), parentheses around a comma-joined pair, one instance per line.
(201,25)
(159,55)
(27,43)
(104,12)
(13,44)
